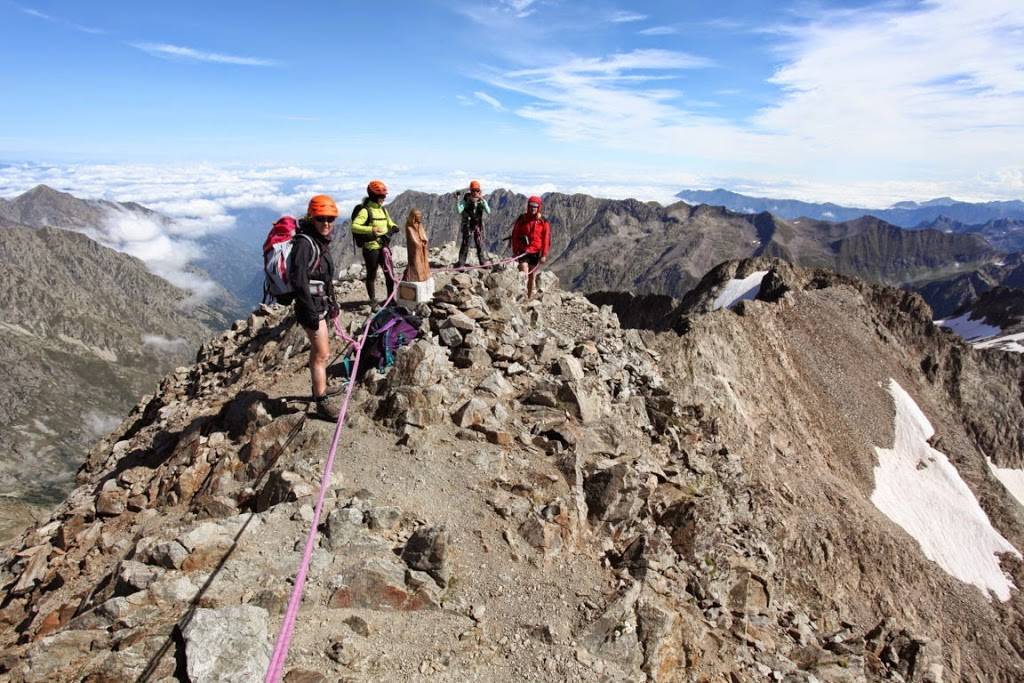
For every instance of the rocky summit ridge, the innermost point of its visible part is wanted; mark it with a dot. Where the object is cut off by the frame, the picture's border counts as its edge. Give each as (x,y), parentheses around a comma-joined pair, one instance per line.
(534,492)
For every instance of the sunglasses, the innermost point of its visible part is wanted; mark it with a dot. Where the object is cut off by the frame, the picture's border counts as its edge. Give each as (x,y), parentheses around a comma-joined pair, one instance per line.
(325,219)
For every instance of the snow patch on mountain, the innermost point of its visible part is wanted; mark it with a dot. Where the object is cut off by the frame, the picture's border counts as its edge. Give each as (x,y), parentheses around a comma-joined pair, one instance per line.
(1010,478)
(739,289)
(1009,342)
(919,489)
(968,328)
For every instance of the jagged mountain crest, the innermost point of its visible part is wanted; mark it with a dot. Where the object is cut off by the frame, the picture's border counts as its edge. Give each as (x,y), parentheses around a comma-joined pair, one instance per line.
(609,245)
(676,507)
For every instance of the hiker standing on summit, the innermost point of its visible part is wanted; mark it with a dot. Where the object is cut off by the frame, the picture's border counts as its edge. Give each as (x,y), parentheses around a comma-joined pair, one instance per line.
(472,208)
(372,229)
(531,240)
(311,275)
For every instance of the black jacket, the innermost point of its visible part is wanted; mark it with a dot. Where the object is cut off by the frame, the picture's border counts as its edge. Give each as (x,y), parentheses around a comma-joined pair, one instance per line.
(309,309)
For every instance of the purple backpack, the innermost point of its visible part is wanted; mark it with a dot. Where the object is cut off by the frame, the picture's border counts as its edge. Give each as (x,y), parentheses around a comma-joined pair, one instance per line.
(391,329)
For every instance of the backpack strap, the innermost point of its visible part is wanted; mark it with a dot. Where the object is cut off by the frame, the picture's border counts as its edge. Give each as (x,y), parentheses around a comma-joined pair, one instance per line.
(386,326)
(315,261)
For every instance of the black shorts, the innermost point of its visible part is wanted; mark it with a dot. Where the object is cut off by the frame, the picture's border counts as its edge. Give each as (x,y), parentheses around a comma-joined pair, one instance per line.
(531,259)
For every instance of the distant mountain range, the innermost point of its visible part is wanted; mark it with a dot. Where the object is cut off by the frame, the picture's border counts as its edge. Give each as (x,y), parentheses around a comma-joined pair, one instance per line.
(1005,234)
(903,214)
(647,248)
(622,245)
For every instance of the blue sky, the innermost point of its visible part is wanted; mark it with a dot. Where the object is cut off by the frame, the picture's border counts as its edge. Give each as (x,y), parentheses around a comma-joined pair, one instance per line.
(849,101)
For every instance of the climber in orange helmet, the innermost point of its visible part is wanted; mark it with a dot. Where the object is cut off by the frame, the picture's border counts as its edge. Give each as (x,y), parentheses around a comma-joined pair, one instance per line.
(311,275)
(372,228)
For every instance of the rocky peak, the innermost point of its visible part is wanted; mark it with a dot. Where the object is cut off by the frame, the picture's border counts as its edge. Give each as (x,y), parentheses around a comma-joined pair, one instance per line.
(533,492)
(44,206)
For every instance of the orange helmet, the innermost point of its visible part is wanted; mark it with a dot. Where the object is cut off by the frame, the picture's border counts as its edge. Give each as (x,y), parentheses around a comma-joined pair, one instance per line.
(377,187)
(322,205)
(474,185)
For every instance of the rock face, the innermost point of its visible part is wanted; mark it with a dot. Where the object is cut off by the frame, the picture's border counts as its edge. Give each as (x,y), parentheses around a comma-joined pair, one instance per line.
(551,497)
(1001,307)
(80,347)
(947,295)
(227,645)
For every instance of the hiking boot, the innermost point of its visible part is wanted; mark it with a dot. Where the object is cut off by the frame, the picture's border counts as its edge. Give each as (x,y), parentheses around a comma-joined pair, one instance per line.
(324,409)
(335,389)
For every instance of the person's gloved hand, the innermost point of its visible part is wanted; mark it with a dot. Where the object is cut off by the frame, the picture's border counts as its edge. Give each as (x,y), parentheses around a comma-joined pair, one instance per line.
(333,311)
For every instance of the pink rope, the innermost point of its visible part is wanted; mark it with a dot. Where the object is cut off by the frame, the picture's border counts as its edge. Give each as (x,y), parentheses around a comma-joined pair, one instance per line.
(489,265)
(340,331)
(284,636)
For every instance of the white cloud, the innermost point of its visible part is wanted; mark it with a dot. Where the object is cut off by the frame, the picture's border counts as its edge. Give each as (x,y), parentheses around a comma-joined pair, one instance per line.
(615,66)
(624,17)
(938,87)
(168,51)
(154,242)
(164,344)
(520,8)
(725,24)
(875,105)
(489,99)
(607,100)
(100,424)
(658,31)
(87,29)
(49,17)
(36,13)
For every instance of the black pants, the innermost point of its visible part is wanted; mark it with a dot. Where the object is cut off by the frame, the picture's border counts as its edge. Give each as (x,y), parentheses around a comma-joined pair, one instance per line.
(374,258)
(464,247)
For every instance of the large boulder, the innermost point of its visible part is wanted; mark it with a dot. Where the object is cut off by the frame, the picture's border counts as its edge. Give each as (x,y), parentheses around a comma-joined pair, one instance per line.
(427,551)
(227,645)
(421,364)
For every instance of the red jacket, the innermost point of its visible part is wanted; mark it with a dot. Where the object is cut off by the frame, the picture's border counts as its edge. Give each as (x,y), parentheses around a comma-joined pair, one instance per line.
(531,236)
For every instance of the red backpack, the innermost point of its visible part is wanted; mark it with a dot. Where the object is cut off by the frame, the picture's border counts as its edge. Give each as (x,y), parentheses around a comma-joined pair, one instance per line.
(276,249)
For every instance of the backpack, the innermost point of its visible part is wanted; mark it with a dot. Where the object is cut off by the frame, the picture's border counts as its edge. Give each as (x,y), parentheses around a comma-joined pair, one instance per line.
(472,214)
(276,250)
(392,329)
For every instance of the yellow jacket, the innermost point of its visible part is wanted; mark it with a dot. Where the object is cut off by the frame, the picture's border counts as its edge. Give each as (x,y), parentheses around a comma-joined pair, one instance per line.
(372,220)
